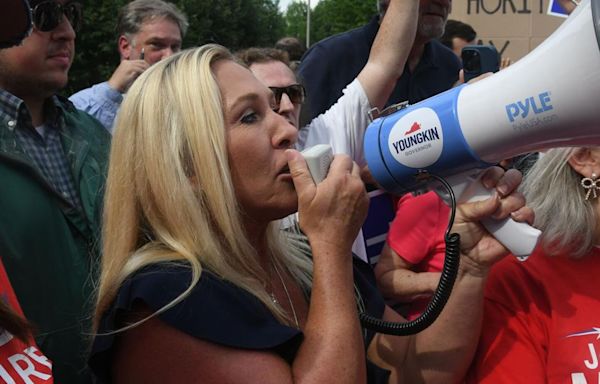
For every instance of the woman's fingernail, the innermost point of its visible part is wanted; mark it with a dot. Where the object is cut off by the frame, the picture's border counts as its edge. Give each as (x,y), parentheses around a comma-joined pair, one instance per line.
(502,189)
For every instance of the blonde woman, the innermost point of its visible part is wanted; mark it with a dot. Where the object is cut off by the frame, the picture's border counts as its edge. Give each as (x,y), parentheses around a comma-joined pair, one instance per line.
(198,282)
(541,316)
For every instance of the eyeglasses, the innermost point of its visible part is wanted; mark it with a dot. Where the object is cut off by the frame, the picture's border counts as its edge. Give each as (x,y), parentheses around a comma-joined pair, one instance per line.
(295,92)
(47,15)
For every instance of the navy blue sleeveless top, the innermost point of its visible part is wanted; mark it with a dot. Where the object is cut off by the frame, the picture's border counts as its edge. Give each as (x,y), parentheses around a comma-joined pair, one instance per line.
(219,312)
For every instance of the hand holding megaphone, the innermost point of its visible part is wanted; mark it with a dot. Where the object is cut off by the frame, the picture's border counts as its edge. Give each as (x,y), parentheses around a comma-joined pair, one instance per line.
(518,237)
(535,103)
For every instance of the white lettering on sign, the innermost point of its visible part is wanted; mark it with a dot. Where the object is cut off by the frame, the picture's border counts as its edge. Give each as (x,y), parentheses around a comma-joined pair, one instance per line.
(23,365)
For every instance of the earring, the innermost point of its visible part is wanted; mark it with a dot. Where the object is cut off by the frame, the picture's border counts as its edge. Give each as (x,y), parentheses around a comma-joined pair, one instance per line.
(591,184)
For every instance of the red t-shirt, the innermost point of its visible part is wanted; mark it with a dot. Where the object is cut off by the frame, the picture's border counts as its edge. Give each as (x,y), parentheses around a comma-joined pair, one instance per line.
(541,322)
(20,362)
(417,235)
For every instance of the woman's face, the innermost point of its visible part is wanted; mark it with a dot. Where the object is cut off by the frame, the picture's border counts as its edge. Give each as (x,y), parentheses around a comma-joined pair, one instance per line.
(257,138)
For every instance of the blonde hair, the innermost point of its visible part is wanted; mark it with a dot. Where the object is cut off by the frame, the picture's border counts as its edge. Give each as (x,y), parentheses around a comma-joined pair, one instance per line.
(552,188)
(170,195)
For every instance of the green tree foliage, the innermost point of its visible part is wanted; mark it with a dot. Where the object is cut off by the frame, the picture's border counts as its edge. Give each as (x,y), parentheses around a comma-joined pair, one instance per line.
(96,53)
(328,17)
(233,23)
(334,16)
(295,18)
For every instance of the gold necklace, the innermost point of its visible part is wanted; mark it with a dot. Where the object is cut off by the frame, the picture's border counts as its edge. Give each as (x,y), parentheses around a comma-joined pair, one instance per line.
(286,293)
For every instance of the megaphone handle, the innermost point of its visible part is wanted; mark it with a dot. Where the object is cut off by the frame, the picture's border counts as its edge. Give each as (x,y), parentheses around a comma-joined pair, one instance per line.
(519,238)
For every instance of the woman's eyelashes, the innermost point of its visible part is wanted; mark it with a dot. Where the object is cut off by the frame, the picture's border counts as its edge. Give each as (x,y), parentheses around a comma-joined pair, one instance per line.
(252,116)
(249,117)
(258,109)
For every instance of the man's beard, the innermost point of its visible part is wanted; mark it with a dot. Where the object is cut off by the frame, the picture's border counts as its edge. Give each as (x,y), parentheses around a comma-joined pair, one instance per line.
(431,31)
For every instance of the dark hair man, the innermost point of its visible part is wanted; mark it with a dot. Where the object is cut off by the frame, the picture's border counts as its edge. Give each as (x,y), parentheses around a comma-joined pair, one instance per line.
(52,166)
(457,35)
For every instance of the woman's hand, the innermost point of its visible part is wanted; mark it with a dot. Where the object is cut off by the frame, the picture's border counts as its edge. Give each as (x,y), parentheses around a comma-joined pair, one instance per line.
(334,210)
(330,214)
(480,250)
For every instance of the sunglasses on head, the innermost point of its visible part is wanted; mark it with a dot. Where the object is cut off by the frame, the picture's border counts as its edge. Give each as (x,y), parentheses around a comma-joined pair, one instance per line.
(47,15)
(295,92)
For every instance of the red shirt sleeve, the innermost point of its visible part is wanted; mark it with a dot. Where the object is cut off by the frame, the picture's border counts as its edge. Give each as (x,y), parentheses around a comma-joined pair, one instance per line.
(418,228)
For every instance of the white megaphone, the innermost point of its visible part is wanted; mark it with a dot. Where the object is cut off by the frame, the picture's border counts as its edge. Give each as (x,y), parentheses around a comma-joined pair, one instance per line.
(549,98)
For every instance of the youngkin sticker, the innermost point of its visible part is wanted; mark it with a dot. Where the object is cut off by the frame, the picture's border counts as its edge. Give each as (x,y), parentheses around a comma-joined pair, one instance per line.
(416,140)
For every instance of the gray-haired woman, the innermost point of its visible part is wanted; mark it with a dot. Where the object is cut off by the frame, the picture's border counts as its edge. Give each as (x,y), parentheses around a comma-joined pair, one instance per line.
(541,316)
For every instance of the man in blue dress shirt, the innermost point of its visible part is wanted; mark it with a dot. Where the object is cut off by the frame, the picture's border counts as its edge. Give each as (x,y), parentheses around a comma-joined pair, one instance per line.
(148,31)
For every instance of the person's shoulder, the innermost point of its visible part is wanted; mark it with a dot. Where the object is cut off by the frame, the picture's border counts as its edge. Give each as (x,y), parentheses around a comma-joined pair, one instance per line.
(83,122)
(212,309)
(351,106)
(70,110)
(339,42)
(82,93)
(168,280)
(350,35)
(327,46)
(346,36)
(160,284)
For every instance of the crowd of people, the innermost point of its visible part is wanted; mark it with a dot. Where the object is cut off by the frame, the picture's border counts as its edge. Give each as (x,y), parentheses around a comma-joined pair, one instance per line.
(162,226)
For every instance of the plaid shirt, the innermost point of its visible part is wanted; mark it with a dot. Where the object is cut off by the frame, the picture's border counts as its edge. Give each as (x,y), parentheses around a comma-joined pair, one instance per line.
(46,151)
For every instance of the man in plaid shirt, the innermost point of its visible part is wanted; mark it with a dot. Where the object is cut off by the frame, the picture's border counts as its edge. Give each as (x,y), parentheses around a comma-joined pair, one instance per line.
(53,160)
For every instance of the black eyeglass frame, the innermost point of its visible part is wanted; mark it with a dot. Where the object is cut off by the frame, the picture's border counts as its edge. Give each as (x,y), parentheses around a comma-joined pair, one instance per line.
(72,10)
(296,93)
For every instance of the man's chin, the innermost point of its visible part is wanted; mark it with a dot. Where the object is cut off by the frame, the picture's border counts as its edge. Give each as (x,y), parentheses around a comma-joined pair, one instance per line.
(55,84)
(432,31)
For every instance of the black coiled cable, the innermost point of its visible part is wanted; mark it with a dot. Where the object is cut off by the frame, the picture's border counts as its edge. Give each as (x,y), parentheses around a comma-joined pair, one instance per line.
(442,292)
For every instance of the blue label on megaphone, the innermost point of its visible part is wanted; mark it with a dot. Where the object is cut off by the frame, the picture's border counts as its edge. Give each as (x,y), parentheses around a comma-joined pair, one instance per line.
(422,137)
